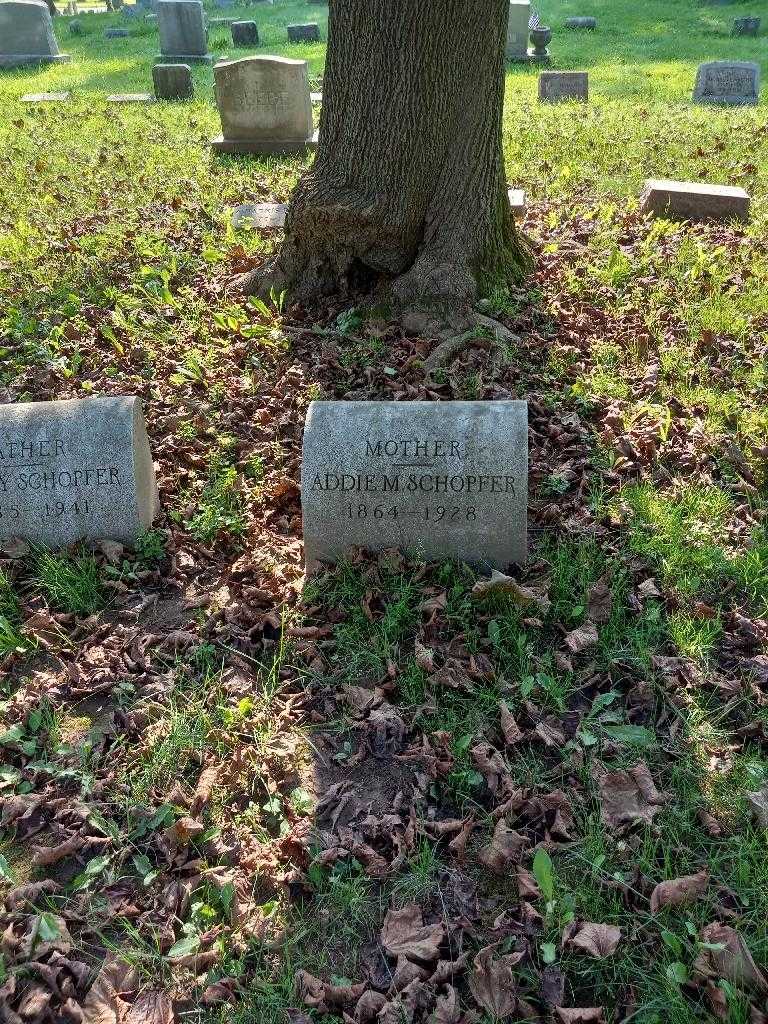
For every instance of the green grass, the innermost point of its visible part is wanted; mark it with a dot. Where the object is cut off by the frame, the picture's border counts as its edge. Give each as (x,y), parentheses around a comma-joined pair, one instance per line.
(113,270)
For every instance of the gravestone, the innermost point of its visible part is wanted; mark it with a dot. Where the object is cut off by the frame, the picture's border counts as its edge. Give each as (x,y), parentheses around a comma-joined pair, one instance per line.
(555,86)
(183,36)
(45,97)
(245,33)
(173,81)
(732,83)
(75,470)
(130,97)
(259,215)
(26,35)
(264,106)
(116,33)
(581,22)
(517,202)
(517,30)
(748,26)
(693,200)
(76,28)
(304,33)
(436,479)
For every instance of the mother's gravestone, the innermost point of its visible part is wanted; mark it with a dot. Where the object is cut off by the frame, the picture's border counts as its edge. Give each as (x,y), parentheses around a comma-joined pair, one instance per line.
(435,479)
(26,35)
(75,470)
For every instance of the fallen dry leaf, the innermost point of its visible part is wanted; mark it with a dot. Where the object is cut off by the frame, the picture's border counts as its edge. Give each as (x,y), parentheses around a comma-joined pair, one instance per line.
(733,962)
(151,1007)
(600,602)
(678,890)
(405,934)
(758,804)
(581,638)
(599,940)
(522,596)
(626,797)
(493,984)
(510,729)
(506,848)
(576,1015)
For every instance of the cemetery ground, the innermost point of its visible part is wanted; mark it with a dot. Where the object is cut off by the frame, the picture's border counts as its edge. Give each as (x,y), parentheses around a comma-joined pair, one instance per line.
(395,790)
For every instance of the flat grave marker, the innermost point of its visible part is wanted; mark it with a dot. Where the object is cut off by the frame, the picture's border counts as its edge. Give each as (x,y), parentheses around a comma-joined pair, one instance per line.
(46,97)
(436,479)
(260,215)
(749,26)
(693,200)
(581,22)
(130,97)
(730,83)
(555,86)
(75,470)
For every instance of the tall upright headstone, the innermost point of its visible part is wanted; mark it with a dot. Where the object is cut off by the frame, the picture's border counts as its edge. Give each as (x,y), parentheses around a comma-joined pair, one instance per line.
(517,30)
(264,105)
(26,34)
(183,35)
(440,480)
(75,470)
(727,82)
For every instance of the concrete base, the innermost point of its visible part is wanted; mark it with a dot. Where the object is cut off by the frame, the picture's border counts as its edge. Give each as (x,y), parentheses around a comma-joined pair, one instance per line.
(264,147)
(529,58)
(183,58)
(20,60)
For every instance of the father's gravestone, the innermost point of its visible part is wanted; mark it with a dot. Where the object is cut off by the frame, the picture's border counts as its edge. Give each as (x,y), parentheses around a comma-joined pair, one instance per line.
(731,83)
(517,30)
(26,35)
(555,86)
(264,106)
(436,479)
(183,36)
(75,470)
(694,200)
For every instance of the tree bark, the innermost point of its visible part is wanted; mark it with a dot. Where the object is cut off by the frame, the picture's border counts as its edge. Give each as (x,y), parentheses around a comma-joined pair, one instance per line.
(407,189)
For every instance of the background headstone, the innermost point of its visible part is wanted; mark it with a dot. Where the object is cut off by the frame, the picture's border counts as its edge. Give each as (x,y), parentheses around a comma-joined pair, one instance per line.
(26,34)
(183,36)
(732,83)
(75,470)
(264,105)
(244,33)
(116,33)
(517,30)
(555,86)
(516,198)
(173,81)
(581,22)
(129,97)
(436,479)
(694,200)
(304,33)
(749,26)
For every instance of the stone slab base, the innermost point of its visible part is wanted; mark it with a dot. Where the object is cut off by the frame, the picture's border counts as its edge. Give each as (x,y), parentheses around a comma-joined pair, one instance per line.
(184,58)
(530,58)
(265,147)
(20,60)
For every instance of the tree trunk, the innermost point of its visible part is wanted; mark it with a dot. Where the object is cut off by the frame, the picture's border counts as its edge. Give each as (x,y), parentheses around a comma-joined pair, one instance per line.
(408,187)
